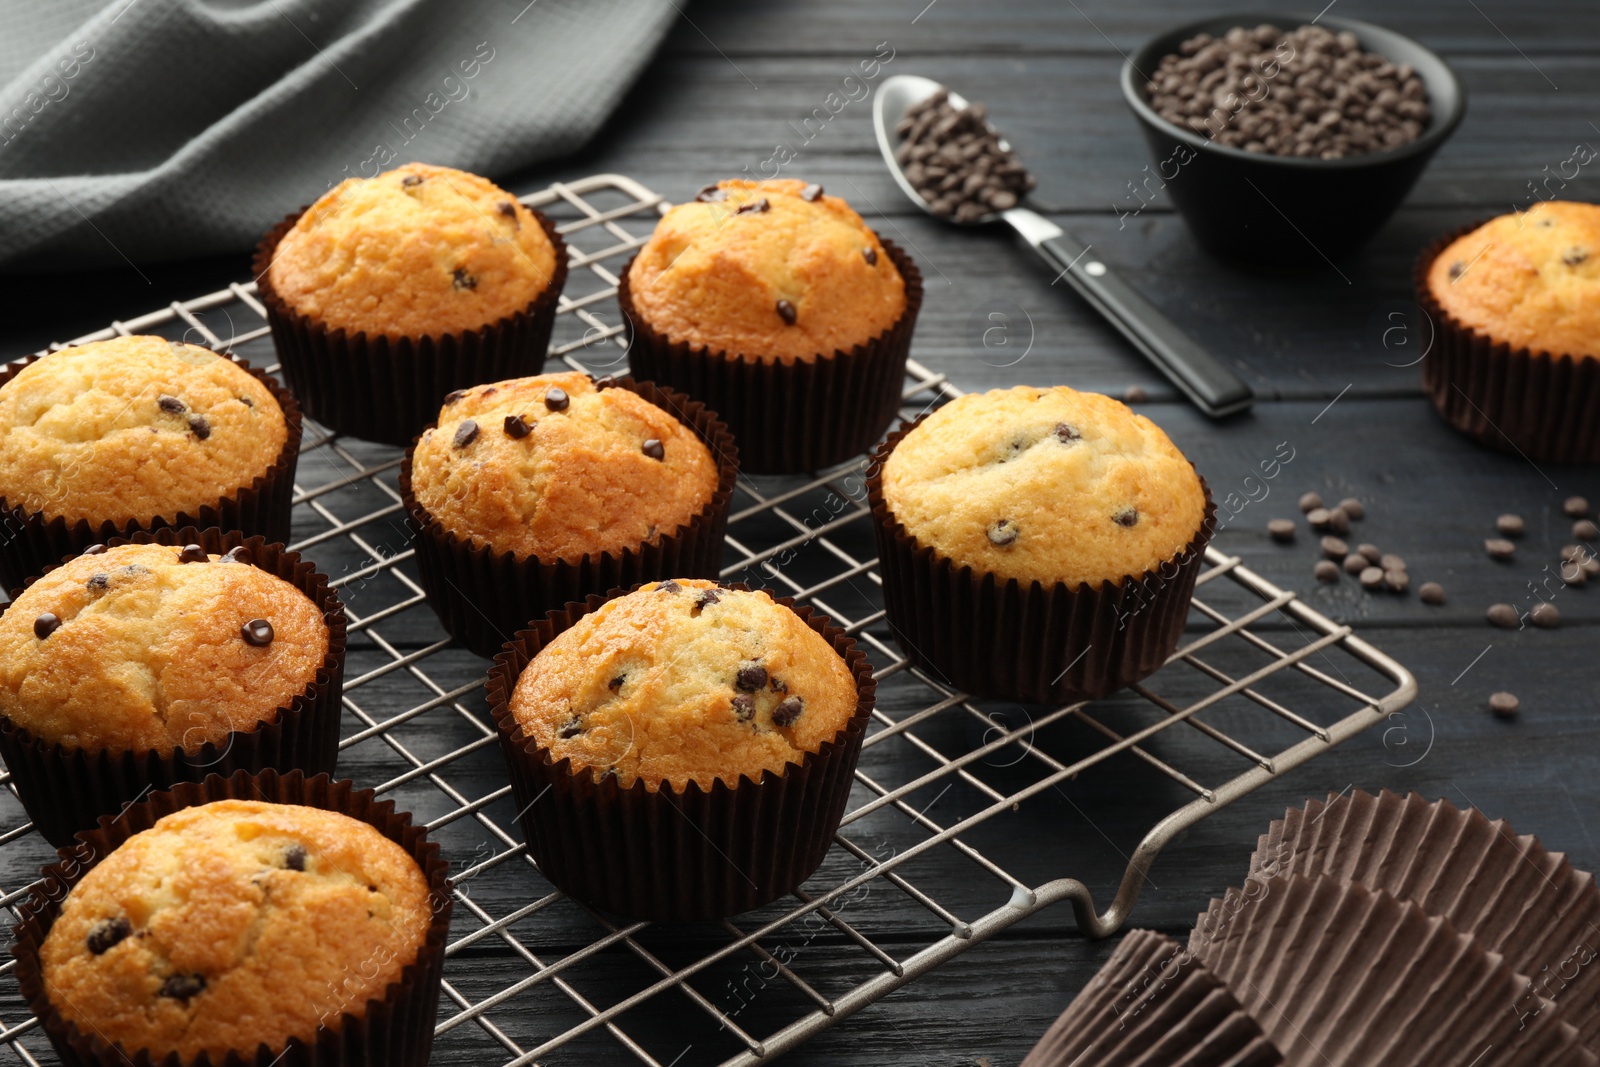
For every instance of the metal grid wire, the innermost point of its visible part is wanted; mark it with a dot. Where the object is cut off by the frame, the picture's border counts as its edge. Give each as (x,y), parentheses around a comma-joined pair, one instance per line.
(951,834)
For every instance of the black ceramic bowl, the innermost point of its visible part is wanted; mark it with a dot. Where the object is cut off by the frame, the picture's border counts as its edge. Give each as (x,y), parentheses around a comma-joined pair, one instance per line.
(1259,208)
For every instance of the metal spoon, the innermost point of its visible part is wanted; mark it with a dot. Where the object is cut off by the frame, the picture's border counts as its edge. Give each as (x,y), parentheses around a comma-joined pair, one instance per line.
(1200,376)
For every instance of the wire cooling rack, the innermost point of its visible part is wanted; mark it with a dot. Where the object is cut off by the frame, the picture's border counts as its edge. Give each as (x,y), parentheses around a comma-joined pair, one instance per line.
(956,828)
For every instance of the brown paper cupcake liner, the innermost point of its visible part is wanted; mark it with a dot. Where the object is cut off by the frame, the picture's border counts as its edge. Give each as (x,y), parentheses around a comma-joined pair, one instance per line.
(1153,1006)
(387,389)
(1510,893)
(394,1031)
(1339,975)
(994,637)
(484,597)
(676,856)
(1544,405)
(788,416)
(65,790)
(31,543)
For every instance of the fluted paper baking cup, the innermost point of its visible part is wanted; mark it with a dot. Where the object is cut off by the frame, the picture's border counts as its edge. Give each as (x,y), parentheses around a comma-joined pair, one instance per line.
(483,596)
(1506,890)
(668,854)
(997,637)
(1543,405)
(1153,1006)
(387,389)
(395,1030)
(1339,975)
(66,790)
(787,415)
(31,543)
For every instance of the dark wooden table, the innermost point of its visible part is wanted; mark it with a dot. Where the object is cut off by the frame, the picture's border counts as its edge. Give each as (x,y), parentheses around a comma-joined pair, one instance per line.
(739,79)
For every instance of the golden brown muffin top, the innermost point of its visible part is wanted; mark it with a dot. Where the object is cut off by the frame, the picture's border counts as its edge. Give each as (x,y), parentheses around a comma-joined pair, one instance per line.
(685,681)
(553,467)
(1048,485)
(1530,279)
(132,649)
(416,251)
(767,270)
(234,923)
(132,429)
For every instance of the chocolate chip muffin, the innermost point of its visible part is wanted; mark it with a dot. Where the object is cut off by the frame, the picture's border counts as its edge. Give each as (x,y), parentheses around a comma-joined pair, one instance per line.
(779,307)
(1064,529)
(568,486)
(138,433)
(390,291)
(235,924)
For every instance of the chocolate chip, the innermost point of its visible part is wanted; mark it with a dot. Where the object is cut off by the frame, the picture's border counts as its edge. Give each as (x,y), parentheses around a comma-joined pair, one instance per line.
(247,402)
(171,404)
(1370,551)
(1545,616)
(753,207)
(1504,705)
(1134,394)
(1573,574)
(706,598)
(199,426)
(1504,616)
(744,706)
(1066,434)
(294,858)
(1334,548)
(752,676)
(1326,570)
(669,586)
(787,313)
(1125,516)
(237,554)
(466,433)
(1591,567)
(1456,269)
(710,194)
(811,192)
(1339,521)
(462,280)
(1310,502)
(1003,532)
(94,550)
(1281,530)
(411,180)
(452,397)
(193,554)
(1575,256)
(570,729)
(1317,517)
(1575,507)
(509,210)
(183,986)
(603,383)
(1355,563)
(1391,562)
(787,712)
(1431,593)
(257,632)
(870,255)
(1511,525)
(1372,578)
(517,427)
(616,683)
(1585,530)
(1353,508)
(1396,581)
(98,583)
(1499,548)
(556,399)
(654,448)
(107,934)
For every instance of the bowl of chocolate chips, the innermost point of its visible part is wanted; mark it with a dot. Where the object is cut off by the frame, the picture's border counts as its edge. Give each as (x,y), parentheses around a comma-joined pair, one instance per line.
(1287,143)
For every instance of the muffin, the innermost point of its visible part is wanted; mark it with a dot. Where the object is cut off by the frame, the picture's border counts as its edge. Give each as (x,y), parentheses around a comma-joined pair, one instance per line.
(144,664)
(1513,309)
(138,433)
(530,493)
(1037,544)
(741,714)
(777,306)
(389,292)
(243,920)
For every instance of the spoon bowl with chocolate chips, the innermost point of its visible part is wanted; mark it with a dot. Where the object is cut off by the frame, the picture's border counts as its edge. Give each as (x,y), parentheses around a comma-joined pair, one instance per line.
(955,165)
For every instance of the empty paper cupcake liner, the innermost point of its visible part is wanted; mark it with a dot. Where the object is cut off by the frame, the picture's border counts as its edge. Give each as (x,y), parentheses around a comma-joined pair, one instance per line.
(1507,891)
(665,854)
(1339,975)
(32,543)
(386,389)
(1543,405)
(996,637)
(483,597)
(788,416)
(394,1031)
(1152,1005)
(65,790)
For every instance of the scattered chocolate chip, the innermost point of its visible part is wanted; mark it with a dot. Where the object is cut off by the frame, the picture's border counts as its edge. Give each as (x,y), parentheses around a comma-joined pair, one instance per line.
(466,433)
(604,382)
(615,685)
(1066,434)
(787,712)
(1125,516)
(744,706)
(1310,502)
(183,986)
(517,427)
(411,180)
(1391,562)
(1499,548)
(1326,571)
(462,280)
(1353,508)
(1396,581)
(1372,578)
(556,399)
(669,586)
(1585,530)
(257,632)
(1334,548)
(1456,269)
(1504,616)
(98,583)
(787,313)
(1339,520)
(1575,256)
(1591,567)
(247,402)
(94,550)
(452,397)
(509,210)
(1134,394)
(1370,551)
(1431,593)
(1281,530)
(710,194)
(200,426)
(294,858)
(1318,518)
(237,554)
(171,404)
(752,676)
(654,448)
(193,554)
(778,685)
(1573,574)
(870,255)
(1003,532)
(107,934)
(570,729)
(1545,616)
(1576,507)
(1574,552)
(1511,525)
(753,207)
(1355,563)
(706,598)
(811,192)
(1504,705)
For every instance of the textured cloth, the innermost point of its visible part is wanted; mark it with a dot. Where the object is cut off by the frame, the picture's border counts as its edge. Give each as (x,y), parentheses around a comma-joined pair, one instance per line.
(140,130)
